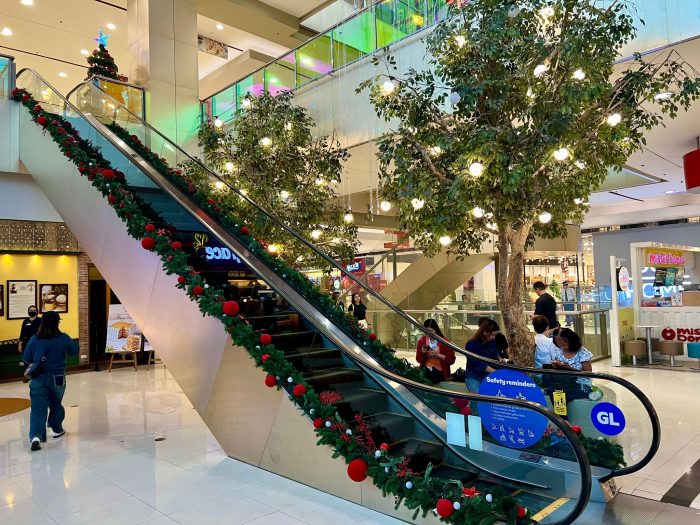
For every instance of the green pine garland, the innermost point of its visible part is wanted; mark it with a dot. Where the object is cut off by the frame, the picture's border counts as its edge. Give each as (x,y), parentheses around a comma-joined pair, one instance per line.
(392,475)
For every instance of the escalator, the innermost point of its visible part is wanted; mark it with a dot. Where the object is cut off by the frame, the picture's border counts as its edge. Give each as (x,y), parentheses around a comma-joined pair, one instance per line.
(376,408)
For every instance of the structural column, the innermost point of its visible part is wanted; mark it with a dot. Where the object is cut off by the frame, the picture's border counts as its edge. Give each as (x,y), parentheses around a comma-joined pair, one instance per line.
(163,45)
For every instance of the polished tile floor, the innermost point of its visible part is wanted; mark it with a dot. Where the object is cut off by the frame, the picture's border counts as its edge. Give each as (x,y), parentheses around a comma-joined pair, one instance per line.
(136,452)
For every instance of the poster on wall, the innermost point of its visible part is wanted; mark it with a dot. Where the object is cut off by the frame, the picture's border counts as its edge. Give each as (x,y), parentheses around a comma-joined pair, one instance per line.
(20,296)
(54,297)
(122,333)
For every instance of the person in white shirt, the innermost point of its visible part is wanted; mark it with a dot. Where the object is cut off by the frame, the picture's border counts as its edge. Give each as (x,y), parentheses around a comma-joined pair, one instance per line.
(544,346)
(568,298)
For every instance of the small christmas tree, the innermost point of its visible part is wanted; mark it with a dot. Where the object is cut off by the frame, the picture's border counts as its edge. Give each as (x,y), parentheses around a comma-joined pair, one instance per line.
(101,62)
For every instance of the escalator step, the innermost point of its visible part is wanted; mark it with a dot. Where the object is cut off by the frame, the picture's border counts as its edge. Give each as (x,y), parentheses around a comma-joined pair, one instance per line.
(362,400)
(464,475)
(396,425)
(315,358)
(330,377)
(294,340)
(420,452)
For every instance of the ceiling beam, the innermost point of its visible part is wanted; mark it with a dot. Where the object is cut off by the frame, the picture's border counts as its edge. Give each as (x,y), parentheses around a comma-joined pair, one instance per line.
(256,18)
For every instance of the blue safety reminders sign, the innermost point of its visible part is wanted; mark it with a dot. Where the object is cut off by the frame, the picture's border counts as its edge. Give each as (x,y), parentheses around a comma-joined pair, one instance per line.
(512,426)
(608,419)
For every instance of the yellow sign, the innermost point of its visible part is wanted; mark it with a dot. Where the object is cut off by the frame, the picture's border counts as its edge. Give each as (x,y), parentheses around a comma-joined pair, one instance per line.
(560,403)
(662,258)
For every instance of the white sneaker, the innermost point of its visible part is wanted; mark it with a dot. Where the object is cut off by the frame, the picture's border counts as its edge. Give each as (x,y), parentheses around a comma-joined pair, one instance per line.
(59,434)
(36,443)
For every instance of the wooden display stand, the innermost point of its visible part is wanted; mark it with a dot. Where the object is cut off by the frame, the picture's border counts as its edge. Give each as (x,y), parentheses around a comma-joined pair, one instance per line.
(123,359)
(153,359)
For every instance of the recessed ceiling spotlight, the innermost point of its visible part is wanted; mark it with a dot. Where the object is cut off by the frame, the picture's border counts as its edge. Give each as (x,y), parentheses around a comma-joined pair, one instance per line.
(111,26)
(84,52)
(6,31)
(62,74)
(219,26)
(26,2)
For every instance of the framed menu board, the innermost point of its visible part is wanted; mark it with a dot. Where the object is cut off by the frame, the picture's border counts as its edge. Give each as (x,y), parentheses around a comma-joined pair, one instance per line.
(20,296)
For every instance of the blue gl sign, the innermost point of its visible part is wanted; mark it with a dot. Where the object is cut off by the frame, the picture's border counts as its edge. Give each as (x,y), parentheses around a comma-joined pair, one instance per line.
(608,419)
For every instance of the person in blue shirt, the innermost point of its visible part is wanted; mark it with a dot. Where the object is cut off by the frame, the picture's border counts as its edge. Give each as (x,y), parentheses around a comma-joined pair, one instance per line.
(484,344)
(46,389)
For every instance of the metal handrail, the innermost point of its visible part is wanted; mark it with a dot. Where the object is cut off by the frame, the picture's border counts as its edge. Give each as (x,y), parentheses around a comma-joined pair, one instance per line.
(644,400)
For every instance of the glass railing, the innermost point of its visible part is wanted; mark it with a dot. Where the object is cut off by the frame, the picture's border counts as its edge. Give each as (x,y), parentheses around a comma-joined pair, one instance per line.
(111,97)
(7,76)
(371,400)
(233,209)
(389,21)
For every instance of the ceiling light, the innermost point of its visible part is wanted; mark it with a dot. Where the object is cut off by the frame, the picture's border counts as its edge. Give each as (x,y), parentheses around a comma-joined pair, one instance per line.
(84,52)
(6,31)
(561,154)
(540,70)
(385,205)
(476,169)
(445,240)
(545,217)
(218,122)
(62,74)
(579,74)
(315,234)
(111,26)
(478,212)
(26,2)
(417,203)
(614,119)
(663,96)
(219,26)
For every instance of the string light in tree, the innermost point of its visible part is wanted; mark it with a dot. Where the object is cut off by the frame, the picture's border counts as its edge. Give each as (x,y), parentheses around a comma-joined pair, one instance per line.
(219,185)
(578,201)
(315,234)
(284,195)
(266,142)
(385,206)
(460,41)
(348,217)
(455,97)
(476,169)
(545,217)
(435,150)
(478,212)
(561,154)
(218,122)
(417,203)
(245,103)
(614,119)
(540,70)
(288,126)
(445,240)
(388,87)
(229,166)
(580,164)
(579,74)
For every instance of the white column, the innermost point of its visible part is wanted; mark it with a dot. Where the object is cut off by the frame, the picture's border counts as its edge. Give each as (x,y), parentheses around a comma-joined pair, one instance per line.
(163,45)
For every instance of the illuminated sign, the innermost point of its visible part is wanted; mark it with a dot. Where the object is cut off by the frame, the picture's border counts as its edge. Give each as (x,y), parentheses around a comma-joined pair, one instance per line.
(623,279)
(220,254)
(663,258)
(691,335)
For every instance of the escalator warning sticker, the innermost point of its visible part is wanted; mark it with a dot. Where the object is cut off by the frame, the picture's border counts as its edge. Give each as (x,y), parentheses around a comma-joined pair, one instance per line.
(559,399)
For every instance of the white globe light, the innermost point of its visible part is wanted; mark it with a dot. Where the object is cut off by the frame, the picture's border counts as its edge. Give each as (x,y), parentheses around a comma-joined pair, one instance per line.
(530,93)
(266,142)
(273,248)
(561,154)
(476,169)
(229,166)
(218,122)
(219,185)
(478,212)
(580,164)
(445,240)
(245,103)
(540,70)
(284,194)
(489,498)
(319,181)
(315,234)
(579,74)
(614,119)
(578,201)
(385,205)
(547,12)
(460,41)
(288,126)
(545,217)
(456,505)
(388,87)
(435,150)
(417,203)
(455,98)
(348,217)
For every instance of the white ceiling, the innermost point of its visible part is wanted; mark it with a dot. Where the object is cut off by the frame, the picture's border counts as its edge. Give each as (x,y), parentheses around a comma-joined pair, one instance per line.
(297,8)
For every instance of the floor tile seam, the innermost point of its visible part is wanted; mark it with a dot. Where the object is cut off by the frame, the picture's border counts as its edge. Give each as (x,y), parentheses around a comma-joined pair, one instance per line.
(169,486)
(89,507)
(281,512)
(268,505)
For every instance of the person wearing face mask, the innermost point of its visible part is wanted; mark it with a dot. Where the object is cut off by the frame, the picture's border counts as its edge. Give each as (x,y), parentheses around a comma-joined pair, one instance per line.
(29,327)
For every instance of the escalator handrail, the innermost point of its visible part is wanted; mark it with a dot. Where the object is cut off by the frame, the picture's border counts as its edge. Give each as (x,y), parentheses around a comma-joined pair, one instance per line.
(366,361)
(644,400)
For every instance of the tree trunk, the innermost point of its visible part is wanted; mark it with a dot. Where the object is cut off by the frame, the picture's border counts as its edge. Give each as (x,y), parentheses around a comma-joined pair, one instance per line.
(511,256)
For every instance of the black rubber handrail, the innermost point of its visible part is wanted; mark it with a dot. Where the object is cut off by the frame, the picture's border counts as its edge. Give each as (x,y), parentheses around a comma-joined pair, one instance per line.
(644,400)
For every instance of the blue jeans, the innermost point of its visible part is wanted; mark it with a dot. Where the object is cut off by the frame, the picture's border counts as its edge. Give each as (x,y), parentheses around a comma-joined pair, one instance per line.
(46,399)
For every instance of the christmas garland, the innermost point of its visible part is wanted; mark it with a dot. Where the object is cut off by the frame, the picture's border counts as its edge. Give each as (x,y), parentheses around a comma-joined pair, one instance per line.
(453,502)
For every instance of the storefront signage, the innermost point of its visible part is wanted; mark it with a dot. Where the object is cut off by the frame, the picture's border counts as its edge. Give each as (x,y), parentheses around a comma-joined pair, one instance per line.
(690,335)
(357,266)
(660,258)
(220,254)
(608,419)
(623,279)
(512,426)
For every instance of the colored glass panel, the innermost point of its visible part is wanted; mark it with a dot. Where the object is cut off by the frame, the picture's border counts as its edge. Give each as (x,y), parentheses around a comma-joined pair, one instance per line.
(354,39)
(280,75)
(314,59)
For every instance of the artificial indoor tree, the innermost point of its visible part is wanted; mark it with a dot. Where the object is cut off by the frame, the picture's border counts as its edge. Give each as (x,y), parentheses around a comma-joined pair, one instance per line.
(101,62)
(268,152)
(514,124)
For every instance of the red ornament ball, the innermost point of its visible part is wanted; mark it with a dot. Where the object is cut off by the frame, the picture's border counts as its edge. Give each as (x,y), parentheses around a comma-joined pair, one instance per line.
(372,336)
(465,411)
(270,380)
(384,447)
(108,174)
(299,390)
(444,508)
(522,512)
(112,198)
(37,108)
(197,291)
(176,245)
(150,228)
(245,230)
(576,429)
(357,470)
(181,279)
(460,403)
(265,339)
(318,422)
(264,357)
(231,308)
(148,243)
(41,120)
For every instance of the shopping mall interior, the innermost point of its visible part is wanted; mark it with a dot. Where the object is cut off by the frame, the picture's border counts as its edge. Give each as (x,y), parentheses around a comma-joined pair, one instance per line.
(349,261)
